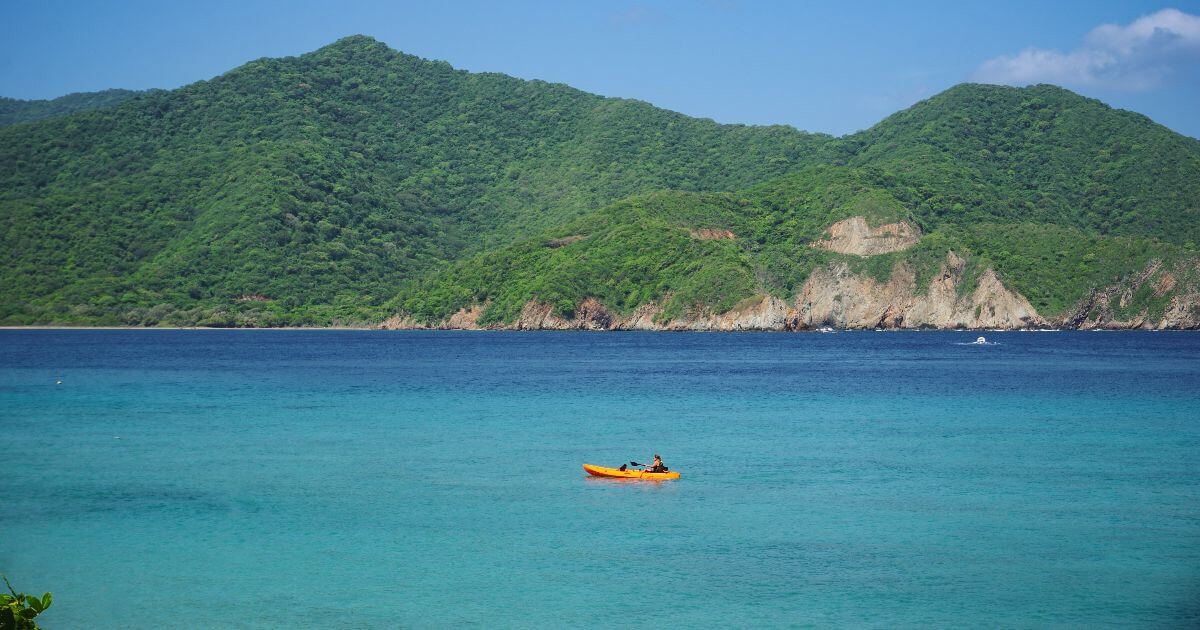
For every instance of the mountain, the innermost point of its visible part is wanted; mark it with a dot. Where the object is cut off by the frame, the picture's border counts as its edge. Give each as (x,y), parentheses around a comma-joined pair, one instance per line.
(325,179)
(15,111)
(1041,154)
(358,184)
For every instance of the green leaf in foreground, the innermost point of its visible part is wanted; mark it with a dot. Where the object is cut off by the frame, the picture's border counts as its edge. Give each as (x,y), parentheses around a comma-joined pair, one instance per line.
(18,610)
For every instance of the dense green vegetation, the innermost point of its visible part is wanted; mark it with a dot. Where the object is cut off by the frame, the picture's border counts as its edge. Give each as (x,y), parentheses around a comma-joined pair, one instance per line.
(353,182)
(643,250)
(1040,154)
(1057,266)
(15,111)
(327,179)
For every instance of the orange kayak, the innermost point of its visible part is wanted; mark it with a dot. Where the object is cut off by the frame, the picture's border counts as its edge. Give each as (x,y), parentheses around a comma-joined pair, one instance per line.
(617,473)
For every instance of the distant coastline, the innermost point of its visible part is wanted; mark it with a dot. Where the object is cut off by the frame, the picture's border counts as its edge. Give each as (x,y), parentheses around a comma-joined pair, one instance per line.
(590,330)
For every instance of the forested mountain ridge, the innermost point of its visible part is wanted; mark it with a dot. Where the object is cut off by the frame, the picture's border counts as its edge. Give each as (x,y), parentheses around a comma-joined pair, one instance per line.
(15,111)
(333,175)
(1039,154)
(357,182)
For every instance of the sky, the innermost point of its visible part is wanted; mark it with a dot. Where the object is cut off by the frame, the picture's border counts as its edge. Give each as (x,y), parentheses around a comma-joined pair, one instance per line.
(828,67)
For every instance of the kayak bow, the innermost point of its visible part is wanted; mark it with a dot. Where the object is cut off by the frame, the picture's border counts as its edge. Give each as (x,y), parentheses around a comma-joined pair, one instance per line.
(617,473)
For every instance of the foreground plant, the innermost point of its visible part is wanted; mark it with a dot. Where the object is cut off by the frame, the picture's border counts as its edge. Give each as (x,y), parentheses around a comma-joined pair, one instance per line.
(17,610)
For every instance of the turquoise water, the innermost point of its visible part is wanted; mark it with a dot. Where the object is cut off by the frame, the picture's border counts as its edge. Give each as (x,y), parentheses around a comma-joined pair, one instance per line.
(382,479)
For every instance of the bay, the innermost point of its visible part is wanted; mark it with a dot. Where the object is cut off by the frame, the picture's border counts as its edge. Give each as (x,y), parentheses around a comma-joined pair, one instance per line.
(185,478)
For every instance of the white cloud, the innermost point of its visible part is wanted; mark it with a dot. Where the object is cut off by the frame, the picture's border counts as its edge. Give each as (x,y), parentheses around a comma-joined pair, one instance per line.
(1169,28)
(1138,56)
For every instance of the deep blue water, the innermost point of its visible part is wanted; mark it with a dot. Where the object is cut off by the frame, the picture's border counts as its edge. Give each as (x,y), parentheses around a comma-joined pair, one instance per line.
(423,479)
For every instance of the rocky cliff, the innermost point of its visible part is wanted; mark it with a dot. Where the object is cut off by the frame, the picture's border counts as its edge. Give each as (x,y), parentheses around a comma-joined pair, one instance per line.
(832,296)
(1107,307)
(854,236)
(836,297)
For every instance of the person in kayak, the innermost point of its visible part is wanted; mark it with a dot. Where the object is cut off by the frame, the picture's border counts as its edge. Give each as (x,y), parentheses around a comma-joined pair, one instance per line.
(657,466)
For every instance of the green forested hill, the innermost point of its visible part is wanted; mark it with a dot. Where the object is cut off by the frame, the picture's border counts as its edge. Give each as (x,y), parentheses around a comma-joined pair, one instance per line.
(355,181)
(330,177)
(644,250)
(1041,154)
(14,111)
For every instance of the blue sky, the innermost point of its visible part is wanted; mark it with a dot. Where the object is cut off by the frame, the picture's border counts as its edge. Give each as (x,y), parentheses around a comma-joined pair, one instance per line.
(834,67)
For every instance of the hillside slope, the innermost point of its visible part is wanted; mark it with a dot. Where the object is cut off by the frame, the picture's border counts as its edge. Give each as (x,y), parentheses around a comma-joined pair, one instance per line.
(1038,154)
(356,183)
(15,111)
(823,247)
(327,178)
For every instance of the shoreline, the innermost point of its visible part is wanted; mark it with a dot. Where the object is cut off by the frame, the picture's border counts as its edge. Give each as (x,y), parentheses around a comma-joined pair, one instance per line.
(52,327)
(585,330)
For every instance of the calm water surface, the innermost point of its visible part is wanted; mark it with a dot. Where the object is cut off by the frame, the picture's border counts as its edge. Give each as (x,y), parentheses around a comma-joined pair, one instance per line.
(381,479)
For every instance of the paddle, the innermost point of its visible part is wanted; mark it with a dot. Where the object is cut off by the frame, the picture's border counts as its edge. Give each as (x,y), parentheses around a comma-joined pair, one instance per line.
(635,464)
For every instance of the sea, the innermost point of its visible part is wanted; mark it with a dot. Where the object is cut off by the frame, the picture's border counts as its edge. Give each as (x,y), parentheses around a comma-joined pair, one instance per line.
(418,479)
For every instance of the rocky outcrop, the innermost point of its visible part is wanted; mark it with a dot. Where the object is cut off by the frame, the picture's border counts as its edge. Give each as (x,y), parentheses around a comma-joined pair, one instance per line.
(1165,285)
(836,297)
(555,243)
(996,306)
(589,315)
(1103,307)
(464,319)
(710,234)
(1097,312)
(1183,313)
(756,313)
(761,312)
(398,322)
(854,236)
(644,317)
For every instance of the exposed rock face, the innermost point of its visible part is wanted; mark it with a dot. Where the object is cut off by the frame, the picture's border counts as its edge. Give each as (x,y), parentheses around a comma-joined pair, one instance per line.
(996,306)
(564,241)
(396,322)
(590,315)
(836,297)
(762,312)
(1183,313)
(643,318)
(1165,285)
(539,316)
(709,234)
(1099,310)
(757,313)
(465,319)
(854,236)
